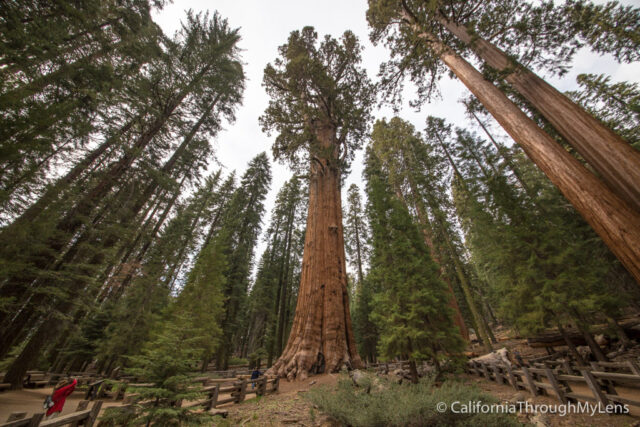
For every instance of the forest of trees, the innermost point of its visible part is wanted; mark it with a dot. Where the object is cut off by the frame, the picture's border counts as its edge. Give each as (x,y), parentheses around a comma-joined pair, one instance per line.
(122,236)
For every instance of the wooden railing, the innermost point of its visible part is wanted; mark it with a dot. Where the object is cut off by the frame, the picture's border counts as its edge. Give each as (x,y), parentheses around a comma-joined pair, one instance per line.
(215,391)
(82,415)
(555,379)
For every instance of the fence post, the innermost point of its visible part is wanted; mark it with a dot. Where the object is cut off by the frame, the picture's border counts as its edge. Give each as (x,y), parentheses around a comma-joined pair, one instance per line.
(487,375)
(512,378)
(242,392)
(82,405)
(276,384)
(498,374)
(527,375)
(36,419)
(93,415)
(556,385)
(594,386)
(213,397)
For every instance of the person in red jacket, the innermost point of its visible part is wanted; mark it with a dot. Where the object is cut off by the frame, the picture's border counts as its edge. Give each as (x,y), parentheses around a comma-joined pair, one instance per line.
(61,391)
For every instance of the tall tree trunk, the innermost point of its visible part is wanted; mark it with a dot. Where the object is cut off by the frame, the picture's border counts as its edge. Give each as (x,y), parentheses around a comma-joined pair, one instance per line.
(614,159)
(611,217)
(572,347)
(427,233)
(321,334)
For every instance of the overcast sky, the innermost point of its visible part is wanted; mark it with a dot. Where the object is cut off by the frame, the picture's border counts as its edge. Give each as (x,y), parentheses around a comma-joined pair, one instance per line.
(265,25)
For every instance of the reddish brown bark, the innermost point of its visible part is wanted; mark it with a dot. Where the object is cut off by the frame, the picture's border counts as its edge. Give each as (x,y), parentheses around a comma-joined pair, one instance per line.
(321,338)
(614,159)
(611,217)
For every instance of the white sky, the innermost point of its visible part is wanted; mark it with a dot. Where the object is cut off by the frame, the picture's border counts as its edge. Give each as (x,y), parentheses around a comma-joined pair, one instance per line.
(265,25)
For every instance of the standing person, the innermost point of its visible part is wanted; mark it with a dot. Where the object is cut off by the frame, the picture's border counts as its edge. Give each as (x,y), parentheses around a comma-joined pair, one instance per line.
(255,375)
(61,391)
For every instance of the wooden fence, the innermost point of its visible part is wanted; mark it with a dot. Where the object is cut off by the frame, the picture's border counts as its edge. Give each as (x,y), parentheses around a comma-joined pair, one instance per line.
(81,416)
(218,391)
(555,379)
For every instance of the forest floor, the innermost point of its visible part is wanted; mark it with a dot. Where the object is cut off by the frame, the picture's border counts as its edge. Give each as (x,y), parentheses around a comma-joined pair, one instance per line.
(287,407)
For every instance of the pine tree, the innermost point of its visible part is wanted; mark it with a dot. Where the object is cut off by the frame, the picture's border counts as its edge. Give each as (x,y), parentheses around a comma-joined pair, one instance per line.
(276,279)
(397,146)
(320,107)
(167,362)
(411,308)
(238,236)
(356,233)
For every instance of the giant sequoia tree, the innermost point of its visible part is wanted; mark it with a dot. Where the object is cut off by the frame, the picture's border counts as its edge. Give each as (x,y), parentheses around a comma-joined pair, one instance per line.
(421,45)
(320,107)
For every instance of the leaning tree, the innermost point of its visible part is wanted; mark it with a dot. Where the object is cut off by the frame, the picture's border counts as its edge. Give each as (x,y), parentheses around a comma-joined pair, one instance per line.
(320,107)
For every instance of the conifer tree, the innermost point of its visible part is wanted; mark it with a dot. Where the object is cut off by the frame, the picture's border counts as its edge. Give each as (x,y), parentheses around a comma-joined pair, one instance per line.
(356,233)
(411,309)
(237,237)
(397,145)
(320,107)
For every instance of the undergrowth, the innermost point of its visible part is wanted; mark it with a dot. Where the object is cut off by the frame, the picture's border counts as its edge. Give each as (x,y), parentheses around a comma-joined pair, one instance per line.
(391,404)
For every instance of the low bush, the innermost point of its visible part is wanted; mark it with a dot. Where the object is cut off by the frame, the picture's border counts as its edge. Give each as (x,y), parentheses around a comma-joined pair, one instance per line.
(391,404)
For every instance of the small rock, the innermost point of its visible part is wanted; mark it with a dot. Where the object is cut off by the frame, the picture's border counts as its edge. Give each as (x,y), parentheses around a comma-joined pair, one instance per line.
(541,420)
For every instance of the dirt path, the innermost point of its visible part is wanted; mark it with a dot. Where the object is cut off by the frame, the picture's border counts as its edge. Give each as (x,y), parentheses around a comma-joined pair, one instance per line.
(287,407)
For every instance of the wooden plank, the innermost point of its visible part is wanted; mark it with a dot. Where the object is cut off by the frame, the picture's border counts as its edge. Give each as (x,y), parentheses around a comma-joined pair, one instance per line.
(555,385)
(577,396)
(485,371)
(16,416)
(615,376)
(623,400)
(594,386)
(82,405)
(633,367)
(17,423)
(512,378)
(542,385)
(531,385)
(93,415)
(223,401)
(36,419)
(243,391)
(67,419)
(574,378)
(497,374)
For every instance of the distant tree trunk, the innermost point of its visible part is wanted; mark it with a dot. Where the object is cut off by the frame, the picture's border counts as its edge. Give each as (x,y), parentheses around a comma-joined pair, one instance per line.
(413,370)
(322,334)
(427,233)
(614,159)
(572,347)
(612,219)
(622,336)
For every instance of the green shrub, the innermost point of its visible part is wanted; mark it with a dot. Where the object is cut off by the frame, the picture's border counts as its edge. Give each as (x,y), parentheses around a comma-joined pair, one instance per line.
(391,404)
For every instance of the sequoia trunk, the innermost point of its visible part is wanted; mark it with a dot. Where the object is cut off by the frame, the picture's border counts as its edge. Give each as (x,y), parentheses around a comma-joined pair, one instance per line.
(616,222)
(614,159)
(321,338)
